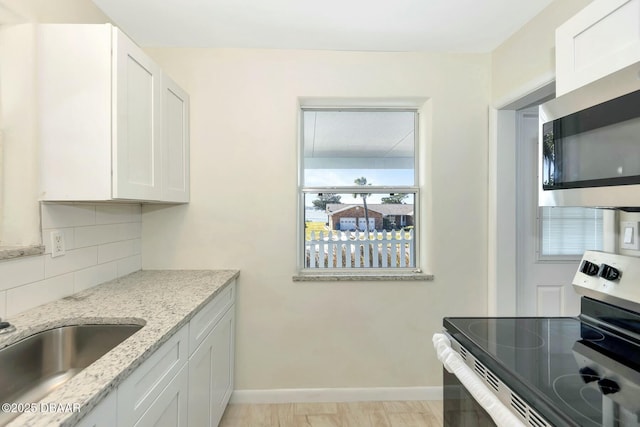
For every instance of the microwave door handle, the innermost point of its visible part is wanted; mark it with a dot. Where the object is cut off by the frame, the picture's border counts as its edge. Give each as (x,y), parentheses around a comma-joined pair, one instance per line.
(454,364)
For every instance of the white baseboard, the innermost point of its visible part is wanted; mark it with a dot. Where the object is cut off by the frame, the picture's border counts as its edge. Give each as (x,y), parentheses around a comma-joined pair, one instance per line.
(372,394)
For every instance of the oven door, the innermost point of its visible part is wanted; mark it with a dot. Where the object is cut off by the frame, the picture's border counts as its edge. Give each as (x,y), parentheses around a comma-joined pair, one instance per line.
(467,400)
(460,408)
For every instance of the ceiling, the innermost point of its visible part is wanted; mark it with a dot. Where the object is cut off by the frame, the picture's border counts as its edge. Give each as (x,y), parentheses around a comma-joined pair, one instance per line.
(363,25)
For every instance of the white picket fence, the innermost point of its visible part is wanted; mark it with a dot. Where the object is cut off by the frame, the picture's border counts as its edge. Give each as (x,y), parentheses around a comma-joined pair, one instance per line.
(340,249)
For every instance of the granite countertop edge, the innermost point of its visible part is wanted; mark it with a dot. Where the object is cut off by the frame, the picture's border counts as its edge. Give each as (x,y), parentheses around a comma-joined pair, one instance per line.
(163,300)
(11,252)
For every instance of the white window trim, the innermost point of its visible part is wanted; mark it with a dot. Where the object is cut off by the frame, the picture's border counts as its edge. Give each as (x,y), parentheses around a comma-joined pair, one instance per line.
(351,274)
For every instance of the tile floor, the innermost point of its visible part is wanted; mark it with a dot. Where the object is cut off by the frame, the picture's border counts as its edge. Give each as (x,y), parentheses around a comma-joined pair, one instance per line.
(345,414)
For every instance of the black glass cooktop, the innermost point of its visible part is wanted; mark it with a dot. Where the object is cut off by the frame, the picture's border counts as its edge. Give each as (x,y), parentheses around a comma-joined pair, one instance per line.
(572,372)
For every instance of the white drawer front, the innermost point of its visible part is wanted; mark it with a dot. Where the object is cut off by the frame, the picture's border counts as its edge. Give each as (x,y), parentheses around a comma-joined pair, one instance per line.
(140,390)
(204,321)
(170,408)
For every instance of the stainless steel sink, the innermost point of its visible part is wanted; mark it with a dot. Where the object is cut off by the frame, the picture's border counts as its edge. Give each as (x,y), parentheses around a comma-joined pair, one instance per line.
(33,367)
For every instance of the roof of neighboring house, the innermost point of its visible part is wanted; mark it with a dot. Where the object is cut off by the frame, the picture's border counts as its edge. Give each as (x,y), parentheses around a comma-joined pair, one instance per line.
(385,209)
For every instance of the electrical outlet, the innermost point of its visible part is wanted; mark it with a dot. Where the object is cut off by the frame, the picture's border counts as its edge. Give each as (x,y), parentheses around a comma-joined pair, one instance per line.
(57,243)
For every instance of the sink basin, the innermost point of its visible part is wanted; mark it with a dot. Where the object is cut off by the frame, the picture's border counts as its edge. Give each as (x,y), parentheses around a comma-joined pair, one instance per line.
(33,367)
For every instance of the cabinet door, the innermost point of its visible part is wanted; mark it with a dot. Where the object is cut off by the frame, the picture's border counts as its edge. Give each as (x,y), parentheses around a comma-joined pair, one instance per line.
(170,408)
(74,108)
(203,322)
(211,374)
(103,415)
(175,152)
(602,38)
(137,392)
(136,122)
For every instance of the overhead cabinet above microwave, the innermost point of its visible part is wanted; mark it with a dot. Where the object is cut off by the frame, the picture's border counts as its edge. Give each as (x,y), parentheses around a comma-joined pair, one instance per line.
(602,38)
(112,125)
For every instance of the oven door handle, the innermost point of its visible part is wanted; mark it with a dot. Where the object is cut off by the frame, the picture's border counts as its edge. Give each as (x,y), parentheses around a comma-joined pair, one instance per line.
(455,365)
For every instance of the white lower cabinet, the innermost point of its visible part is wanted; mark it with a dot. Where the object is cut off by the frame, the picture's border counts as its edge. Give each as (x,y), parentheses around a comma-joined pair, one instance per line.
(170,407)
(187,381)
(143,388)
(103,415)
(211,374)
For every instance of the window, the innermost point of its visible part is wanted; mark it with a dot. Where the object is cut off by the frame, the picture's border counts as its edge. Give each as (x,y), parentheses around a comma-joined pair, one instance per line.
(358,189)
(569,231)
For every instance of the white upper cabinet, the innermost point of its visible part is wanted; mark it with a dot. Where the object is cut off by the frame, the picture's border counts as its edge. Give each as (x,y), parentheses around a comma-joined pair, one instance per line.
(602,38)
(175,164)
(112,125)
(137,122)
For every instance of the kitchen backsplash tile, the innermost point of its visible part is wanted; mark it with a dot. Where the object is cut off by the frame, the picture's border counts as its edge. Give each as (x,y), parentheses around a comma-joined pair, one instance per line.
(114,251)
(111,214)
(129,265)
(137,246)
(98,234)
(37,293)
(92,276)
(73,260)
(131,230)
(102,242)
(21,271)
(67,215)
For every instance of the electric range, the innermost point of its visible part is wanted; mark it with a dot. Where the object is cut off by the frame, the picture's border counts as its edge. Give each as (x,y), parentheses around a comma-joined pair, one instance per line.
(558,371)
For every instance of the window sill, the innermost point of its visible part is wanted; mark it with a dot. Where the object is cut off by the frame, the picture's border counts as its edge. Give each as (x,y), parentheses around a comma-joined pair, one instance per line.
(11,252)
(359,277)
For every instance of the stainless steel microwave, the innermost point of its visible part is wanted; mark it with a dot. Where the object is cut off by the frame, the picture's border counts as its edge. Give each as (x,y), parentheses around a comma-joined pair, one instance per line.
(589,144)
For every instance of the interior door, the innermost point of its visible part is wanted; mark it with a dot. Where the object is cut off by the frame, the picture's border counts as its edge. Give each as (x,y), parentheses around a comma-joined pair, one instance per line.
(543,287)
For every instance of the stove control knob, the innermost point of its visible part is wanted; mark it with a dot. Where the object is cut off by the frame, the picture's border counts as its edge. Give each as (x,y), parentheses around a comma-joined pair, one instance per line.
(608,386)
(609,273)
(588,375)
(589,268)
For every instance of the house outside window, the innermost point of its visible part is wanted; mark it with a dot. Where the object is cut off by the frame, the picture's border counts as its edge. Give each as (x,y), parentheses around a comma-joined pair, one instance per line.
(358,190)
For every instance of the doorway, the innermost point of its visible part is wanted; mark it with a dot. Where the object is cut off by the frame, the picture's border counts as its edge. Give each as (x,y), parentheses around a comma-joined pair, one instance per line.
(526,278)
(503,201)
(543,284)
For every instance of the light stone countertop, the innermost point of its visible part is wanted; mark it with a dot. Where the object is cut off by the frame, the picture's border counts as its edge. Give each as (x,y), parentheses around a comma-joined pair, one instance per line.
(162,300)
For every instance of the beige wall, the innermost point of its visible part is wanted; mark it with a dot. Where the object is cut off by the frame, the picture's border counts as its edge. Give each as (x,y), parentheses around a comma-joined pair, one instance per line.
(243,212)
(527,58)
